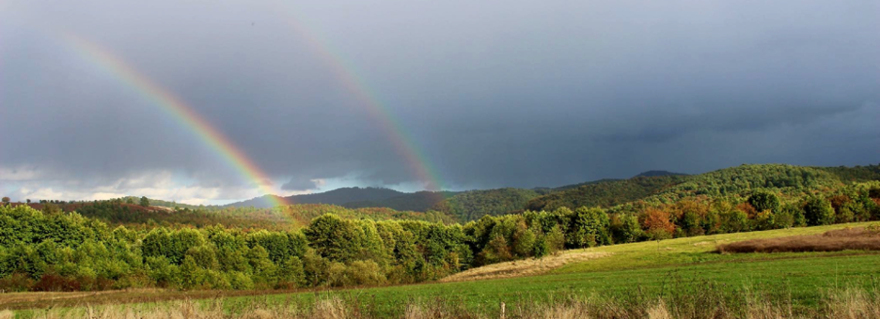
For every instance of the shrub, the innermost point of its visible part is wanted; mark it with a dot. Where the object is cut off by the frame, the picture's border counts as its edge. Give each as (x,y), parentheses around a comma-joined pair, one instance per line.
(54,282)
(364,272)
(239,280)
(16,282)
(336,275)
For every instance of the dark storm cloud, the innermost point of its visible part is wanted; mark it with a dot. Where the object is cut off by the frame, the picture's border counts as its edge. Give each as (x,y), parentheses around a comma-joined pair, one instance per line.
(299,184)
(491,93)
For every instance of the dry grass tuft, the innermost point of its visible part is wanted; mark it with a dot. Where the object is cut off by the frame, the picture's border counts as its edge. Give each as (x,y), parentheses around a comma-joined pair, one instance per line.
(526,267)
(659,311)
(835,240)
(854,304)
(6,314)
(333,308)
(574,311)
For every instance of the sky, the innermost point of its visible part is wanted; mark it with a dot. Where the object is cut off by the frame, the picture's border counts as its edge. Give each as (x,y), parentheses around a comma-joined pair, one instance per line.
(416,95)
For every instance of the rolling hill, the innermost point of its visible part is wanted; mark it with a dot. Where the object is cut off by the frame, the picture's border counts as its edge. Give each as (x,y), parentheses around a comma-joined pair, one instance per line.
(733,182)
(651,186)
(418,201)
(606,193)
(472,205)
(338,196)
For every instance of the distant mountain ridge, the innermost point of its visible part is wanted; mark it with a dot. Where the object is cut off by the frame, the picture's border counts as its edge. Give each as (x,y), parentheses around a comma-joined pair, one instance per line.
(652,186)
(339,196)
(419,201)
(654,173)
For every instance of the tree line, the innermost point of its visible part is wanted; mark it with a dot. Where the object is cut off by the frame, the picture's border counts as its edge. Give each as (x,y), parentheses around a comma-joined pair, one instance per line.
(60,251)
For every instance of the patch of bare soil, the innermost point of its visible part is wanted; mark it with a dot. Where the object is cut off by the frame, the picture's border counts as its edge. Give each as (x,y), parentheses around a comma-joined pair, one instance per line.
(527,267)
(836,240)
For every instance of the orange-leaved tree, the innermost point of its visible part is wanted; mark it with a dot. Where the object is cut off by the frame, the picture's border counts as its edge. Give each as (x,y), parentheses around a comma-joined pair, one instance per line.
(657,223)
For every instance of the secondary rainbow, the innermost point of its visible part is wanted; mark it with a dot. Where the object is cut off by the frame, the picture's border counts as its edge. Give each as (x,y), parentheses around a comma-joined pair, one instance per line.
(178,110)
(347,75)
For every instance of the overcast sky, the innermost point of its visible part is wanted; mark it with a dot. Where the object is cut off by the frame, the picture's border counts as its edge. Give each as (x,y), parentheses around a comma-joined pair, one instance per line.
(490,93)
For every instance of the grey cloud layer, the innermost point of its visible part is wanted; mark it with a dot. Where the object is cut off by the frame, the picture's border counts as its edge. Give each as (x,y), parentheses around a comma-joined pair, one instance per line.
(493,93)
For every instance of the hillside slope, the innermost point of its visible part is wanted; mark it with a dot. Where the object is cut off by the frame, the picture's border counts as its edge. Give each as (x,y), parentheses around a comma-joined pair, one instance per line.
(418,201)
(605,194)
(733,182)
(473,205)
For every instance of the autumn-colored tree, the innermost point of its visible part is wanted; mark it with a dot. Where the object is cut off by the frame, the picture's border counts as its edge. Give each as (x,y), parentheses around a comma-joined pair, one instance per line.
(657,223)
(748,209)
(838,201)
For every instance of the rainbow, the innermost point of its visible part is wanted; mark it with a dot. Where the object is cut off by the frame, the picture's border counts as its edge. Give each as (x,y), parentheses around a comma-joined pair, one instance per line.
(179,110)
(346,73)
(404,146)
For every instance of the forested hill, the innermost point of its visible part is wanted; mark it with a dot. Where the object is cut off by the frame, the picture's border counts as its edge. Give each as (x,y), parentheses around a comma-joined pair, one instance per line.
(473,205)
(418,201)
(736,182)
(607,193)
(547,190)
(334,197)
(651,186)
(791,180)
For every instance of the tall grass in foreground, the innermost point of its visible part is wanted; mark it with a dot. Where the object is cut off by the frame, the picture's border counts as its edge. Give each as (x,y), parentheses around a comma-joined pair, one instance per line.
(848,303)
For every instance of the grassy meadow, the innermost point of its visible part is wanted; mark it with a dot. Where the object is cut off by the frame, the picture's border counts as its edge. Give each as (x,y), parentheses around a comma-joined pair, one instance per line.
(682,272)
